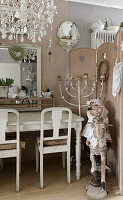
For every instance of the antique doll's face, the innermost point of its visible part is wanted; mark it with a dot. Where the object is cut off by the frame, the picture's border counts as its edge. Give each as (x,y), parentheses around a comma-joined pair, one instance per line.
(16,89)
(99,111)
(94,105)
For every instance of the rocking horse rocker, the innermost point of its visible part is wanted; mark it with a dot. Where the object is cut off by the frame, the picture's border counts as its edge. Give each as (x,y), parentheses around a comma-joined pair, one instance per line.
(98,146)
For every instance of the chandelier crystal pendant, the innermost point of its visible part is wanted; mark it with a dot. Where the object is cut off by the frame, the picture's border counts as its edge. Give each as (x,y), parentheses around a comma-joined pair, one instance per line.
(26,17)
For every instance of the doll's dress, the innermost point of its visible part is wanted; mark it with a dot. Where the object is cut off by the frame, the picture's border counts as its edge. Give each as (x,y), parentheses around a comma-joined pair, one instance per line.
(88,130)
(102,141)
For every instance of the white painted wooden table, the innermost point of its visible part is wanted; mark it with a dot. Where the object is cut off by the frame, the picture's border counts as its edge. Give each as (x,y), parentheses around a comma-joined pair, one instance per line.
(30,121)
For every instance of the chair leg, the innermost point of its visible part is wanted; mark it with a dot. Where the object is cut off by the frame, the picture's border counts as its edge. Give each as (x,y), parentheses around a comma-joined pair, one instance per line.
(63,160)
(37,157)
(17,172)
(1,164)
(20,162)
(41,170)
(68,167)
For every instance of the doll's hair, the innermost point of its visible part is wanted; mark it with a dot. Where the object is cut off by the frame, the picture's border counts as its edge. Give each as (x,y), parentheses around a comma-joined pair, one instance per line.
(97,101)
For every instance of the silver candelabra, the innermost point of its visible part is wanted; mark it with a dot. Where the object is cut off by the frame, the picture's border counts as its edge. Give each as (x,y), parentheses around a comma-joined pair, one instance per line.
(74,88)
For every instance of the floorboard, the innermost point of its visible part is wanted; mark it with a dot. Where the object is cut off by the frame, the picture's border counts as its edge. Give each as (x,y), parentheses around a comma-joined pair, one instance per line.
(55,182)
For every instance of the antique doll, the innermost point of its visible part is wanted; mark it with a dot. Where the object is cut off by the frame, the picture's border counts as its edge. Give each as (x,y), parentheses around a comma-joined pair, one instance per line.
(100,116)
(16,91)
(88,129)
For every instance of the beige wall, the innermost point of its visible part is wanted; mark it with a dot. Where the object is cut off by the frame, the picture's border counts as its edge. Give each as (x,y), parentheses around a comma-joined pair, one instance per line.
(59,59)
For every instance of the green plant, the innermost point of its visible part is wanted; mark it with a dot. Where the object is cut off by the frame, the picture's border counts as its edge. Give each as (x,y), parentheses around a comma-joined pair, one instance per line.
(121,24)
(6,82)
(16,52)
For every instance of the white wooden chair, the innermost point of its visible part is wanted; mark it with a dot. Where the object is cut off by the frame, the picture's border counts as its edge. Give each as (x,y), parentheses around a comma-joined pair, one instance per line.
(10,148)
(54,143)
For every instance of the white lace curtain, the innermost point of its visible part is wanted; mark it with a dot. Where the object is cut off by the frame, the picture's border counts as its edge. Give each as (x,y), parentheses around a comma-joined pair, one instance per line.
(118,67)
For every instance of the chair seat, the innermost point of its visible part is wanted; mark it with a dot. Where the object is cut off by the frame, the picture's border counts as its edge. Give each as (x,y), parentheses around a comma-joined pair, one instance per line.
(12,146)
(52,142)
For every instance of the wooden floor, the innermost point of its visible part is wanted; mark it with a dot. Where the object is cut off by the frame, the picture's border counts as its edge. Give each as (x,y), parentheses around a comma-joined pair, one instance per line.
(56,187)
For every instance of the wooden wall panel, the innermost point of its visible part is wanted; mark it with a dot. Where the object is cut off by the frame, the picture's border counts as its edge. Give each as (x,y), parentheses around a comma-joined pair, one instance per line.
(83,60)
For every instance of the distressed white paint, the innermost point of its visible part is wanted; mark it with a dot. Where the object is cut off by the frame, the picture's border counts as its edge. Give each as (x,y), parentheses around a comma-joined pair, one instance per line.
(3,124)
(99,37)
(56,113)
(10,152)
(106,3)
(56,120)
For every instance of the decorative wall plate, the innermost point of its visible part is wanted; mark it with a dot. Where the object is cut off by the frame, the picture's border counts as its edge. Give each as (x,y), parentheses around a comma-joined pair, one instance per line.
(68,35)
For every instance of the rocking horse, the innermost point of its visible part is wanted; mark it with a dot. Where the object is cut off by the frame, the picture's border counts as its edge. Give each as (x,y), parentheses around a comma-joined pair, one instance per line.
(98,146)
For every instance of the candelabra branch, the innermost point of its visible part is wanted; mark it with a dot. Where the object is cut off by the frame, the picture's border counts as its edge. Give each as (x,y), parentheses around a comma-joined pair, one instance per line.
(86,83)
(93,89)
(84,105)
(60,90)
(69,93)
(89,93)
(71,84)
(72,104)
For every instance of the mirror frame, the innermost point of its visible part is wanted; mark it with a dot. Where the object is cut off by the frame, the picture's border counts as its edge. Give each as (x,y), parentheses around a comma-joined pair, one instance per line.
(39,75)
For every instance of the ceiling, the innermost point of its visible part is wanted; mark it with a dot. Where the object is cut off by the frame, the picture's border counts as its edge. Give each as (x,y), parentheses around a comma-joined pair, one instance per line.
(107,3)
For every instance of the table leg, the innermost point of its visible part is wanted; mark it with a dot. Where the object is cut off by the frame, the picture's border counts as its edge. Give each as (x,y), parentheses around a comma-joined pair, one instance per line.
(78,150)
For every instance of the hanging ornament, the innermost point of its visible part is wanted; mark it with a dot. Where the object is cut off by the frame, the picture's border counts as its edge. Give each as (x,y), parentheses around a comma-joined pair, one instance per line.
(49,48)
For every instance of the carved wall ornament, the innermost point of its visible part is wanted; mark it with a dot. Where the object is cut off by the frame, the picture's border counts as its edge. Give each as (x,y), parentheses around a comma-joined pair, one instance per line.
(106,73)
(68,35)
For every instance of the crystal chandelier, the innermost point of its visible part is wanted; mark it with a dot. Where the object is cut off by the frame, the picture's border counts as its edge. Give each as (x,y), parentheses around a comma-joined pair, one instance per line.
(26,17)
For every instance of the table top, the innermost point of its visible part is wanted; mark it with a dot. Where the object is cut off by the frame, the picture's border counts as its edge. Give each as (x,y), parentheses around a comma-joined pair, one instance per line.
(34,118)
(31,121)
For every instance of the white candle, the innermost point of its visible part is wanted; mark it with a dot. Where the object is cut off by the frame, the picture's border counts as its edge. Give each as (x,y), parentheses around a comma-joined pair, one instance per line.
(85,75)
(71,76)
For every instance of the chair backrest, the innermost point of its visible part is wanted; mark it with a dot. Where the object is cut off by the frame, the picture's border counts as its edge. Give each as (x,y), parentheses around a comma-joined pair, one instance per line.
(3,126)
(55,116)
